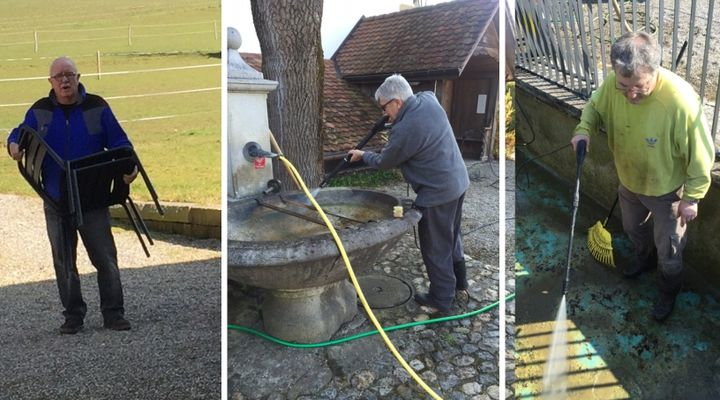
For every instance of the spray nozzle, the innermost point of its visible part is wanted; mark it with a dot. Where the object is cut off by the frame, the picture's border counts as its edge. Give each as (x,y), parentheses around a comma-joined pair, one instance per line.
(252,150)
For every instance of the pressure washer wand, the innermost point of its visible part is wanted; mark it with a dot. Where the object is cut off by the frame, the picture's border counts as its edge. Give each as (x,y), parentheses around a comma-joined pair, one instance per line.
(580,152)
(379,125)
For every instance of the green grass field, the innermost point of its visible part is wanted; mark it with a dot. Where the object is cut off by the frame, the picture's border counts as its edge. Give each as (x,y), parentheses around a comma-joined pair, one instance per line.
(177,135)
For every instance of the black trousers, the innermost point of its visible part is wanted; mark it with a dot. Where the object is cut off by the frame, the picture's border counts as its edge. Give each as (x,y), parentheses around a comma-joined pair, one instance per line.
(100,246)
(441,247)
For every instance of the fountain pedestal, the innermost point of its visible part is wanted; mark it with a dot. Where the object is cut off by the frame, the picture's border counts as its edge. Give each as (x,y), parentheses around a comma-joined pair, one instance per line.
(309,315)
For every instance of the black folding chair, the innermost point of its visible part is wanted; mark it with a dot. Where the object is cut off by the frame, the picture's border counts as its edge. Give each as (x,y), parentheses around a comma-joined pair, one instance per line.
(91,182)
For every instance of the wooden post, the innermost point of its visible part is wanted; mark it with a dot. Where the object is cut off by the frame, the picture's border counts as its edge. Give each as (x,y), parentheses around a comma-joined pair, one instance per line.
(35,34)
(215,28)
(129,35)
(98,65)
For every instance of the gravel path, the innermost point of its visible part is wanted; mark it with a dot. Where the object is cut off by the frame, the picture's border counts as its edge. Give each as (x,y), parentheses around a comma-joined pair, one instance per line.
(172,299)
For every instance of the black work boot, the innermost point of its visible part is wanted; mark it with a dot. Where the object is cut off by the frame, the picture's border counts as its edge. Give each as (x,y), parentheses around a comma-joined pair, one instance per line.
(461,282)
(636,268)
(664,306)
(117,324)
(426,299)
(71,326)
(669,286)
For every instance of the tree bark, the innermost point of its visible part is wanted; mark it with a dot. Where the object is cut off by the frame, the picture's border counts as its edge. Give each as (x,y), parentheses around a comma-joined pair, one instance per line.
(289,35)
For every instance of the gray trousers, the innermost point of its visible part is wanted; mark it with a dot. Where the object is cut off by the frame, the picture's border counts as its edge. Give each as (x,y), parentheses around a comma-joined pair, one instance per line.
(100,246)
(653,224)
(441,246)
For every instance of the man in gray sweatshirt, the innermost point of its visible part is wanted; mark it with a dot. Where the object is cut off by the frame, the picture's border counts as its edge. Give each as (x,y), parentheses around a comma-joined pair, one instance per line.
(423,146)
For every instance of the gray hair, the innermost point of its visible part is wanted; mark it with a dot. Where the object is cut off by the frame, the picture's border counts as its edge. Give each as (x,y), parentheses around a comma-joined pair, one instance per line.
(64,59)
(635,52)
(394,87)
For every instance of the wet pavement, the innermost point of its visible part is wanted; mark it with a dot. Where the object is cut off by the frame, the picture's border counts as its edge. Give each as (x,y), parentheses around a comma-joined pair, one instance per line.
(457,359)
(616,350)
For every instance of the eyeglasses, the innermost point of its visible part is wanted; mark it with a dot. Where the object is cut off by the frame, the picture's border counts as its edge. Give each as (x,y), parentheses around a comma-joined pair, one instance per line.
(69,75)
(382,106)
(635,89)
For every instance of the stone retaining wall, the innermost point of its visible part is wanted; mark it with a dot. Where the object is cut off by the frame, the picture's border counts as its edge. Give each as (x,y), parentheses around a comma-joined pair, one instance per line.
(546,119)
(180,218)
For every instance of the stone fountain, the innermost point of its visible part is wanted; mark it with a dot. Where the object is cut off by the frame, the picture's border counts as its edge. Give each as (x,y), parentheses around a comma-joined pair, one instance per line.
(278,242)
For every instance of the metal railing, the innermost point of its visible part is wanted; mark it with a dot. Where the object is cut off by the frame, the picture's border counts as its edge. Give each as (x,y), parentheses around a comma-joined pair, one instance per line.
(568,41)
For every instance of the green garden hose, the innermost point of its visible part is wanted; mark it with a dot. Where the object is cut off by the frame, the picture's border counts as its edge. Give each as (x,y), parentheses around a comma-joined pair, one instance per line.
(368,333)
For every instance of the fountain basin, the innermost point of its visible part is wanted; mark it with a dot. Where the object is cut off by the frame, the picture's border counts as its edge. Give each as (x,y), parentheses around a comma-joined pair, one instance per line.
(277,243)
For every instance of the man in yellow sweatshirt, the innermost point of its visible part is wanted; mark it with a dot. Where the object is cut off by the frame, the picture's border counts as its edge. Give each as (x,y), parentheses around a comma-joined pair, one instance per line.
(663,154)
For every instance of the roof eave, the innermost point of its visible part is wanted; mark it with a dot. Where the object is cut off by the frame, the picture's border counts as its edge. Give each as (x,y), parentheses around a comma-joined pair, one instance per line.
(450,73)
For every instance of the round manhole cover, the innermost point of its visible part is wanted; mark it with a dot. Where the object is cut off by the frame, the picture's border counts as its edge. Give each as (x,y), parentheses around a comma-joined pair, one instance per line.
(382,291)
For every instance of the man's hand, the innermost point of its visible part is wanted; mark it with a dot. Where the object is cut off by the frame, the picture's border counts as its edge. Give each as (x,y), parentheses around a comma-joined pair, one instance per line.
(574,141)
(15,151)
(128,179)
(688,212)
(356,155)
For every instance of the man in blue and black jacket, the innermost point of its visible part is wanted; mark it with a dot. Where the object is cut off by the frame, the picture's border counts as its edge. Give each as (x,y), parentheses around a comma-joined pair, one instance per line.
(76,124)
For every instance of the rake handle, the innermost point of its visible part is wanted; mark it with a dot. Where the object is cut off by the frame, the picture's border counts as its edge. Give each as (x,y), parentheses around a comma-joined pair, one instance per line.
(617,197)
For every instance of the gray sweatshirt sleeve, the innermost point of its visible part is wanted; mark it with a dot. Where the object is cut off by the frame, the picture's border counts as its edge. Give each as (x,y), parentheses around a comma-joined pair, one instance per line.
(397,150)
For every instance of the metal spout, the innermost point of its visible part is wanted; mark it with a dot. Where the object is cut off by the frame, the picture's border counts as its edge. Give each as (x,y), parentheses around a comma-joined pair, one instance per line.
(253,150)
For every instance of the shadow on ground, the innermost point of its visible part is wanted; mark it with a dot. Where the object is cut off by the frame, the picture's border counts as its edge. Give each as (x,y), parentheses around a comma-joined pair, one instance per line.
(173,350)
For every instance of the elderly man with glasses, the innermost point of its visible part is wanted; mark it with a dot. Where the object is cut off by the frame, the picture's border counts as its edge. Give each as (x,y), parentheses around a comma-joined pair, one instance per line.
(663,155)
(423,146)
(76,124)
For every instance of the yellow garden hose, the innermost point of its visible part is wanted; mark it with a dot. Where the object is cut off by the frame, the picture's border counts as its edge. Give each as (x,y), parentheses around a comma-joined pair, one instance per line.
(388,343)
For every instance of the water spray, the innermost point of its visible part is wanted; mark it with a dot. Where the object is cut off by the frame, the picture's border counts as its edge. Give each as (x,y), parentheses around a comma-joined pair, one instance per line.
(580,152)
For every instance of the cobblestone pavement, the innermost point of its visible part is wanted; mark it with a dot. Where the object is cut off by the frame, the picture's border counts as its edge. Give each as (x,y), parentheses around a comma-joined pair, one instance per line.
(458,359)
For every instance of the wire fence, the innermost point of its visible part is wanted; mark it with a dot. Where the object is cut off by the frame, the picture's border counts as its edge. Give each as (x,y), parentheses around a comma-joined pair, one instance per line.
(127,33)
(568,42)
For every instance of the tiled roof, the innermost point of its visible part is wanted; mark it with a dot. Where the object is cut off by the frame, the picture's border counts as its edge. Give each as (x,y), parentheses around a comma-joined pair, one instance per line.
(349,114)
(435,39)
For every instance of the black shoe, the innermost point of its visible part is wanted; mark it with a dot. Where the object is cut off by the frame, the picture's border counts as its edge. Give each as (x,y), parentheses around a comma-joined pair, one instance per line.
(663,307)
(71,326)
(424,299)
(117,324)
(461,282)
(638,268)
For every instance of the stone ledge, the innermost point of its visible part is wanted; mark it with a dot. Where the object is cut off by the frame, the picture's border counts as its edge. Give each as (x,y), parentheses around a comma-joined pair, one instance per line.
(186,219)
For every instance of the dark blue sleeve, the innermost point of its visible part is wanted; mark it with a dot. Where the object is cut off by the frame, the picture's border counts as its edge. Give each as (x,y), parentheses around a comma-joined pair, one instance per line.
(114,134)
(29,120)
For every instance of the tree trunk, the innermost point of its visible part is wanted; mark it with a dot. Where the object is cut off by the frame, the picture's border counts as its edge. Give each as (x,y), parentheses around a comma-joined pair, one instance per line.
(289,35)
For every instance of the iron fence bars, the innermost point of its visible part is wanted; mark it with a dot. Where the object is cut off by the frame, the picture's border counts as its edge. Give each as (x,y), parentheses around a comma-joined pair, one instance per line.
(716,111)
(601,38)
(556,42)
(661,28)
(588,60)
(676,21)
(691,40)
(568,42)
(708,32)
(591,33)
(564,44)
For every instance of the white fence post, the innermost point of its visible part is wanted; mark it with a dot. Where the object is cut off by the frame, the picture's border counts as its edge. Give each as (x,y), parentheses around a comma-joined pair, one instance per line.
(98,65)
(35,34)
(129,35)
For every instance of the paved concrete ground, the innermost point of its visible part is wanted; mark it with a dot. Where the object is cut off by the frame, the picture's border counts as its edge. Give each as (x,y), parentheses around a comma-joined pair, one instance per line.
(459,359)
(172,299)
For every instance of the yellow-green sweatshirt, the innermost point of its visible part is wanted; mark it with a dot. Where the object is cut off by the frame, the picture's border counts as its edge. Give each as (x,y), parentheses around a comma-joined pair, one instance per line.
(659,144)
